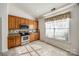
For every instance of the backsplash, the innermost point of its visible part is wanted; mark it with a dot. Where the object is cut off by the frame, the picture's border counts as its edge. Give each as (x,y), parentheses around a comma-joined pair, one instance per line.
(13,31)
(19,30)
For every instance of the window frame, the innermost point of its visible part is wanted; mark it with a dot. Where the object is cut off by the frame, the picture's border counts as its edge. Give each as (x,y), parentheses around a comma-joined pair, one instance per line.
(69,32)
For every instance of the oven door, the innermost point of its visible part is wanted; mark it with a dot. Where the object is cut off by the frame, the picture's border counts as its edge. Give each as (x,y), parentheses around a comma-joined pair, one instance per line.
(24,38)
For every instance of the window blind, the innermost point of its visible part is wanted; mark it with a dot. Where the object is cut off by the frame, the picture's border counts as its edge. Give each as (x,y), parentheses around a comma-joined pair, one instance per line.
(58,17)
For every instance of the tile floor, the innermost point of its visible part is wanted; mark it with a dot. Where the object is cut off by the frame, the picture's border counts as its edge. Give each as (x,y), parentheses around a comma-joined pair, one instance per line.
(36,48)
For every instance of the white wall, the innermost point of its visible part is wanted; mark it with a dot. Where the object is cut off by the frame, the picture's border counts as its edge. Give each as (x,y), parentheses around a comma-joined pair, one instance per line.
(3,27)
(75,29)
(73,43)
(6,9)
(0,34)
(14,10)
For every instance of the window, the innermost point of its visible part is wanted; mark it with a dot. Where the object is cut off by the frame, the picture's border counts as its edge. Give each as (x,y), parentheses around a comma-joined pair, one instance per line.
(58,29)
(50,29)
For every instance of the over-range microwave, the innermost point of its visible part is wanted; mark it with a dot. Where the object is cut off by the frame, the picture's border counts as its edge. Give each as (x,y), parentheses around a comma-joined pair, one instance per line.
(23,26)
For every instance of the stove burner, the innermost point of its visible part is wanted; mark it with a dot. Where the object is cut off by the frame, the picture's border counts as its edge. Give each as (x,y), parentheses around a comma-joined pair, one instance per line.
(23,33)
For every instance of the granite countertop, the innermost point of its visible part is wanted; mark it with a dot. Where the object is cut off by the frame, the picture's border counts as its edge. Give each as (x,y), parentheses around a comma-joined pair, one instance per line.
(34,33)
(14,34)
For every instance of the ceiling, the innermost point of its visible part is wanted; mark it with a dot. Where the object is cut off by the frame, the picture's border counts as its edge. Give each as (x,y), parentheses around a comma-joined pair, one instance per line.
(37,9)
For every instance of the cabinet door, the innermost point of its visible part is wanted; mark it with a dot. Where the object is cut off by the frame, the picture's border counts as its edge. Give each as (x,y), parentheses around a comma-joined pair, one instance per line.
(37,36)
(11,22)
(17,41)
(18,22)
(23,21)
(26,21)
(31,26)
(11,41)
(31,37)
(34,37)
(35,25)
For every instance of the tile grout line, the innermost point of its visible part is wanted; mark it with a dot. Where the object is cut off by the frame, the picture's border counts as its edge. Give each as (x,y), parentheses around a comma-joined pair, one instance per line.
(28,51)
(34,50)
(58,47)
(23,53)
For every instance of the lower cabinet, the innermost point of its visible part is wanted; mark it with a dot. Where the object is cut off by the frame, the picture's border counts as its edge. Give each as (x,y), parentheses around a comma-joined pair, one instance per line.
(37,36)
(11,41)
(17,41)
(14,41)
(34,37)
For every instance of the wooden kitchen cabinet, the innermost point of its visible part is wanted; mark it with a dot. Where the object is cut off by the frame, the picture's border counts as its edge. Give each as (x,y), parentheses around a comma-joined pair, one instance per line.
(34,37)
(31,38)
(30,22)
(37,36)
(27,21)
(35,25)
(11,22)
(17,41)
(18,23)
(14,41)
(23,21)
(14,22)
(11,41)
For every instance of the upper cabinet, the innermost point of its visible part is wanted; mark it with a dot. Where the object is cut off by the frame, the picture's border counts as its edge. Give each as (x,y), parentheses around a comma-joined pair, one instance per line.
(14,22)
(27,21)
(23,21)
(18,23)
(33,24)
(11,22)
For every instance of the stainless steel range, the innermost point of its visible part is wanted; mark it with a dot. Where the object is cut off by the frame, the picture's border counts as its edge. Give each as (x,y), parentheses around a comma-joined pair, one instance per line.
(24,34)
(24,38)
